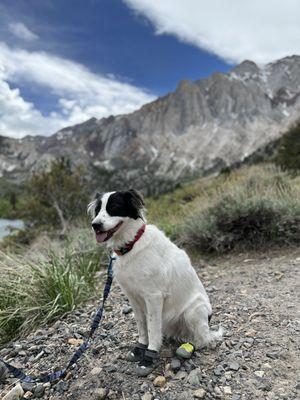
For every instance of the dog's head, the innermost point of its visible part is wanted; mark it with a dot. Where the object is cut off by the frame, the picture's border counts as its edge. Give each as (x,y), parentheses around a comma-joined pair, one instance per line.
(110,211)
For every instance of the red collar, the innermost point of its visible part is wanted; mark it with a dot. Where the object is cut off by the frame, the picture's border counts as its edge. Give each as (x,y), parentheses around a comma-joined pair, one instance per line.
(128,246)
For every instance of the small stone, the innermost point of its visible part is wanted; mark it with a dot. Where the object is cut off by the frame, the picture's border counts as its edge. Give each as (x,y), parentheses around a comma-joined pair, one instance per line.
(260,374)
(218,370)
(194,376)
(3,372)
(175,364)
(39,391)
(111,368)
(96,371)
(169,374)
(227,389)
(28,386)
(75,342)
(217,391)
(272,354)
(199,393)
(298,384)
(27,395)
(159,381)
(250,333)
(147,396)
(180,375)
(127,310)
(234,366)
(15,393)
(101,393)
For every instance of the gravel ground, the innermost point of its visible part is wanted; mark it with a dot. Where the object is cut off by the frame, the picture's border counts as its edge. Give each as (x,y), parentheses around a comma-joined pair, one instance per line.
(255,299)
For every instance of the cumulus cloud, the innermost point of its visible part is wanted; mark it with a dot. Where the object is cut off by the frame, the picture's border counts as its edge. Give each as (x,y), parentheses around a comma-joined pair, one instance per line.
(235,30)
(81,94)
(21,31)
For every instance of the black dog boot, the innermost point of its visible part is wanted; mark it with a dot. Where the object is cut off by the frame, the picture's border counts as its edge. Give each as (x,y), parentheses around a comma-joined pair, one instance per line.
(148,363)
(137,353)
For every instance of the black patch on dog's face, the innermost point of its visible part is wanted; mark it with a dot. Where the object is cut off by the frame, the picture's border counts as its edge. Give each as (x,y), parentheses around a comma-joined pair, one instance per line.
(125,204)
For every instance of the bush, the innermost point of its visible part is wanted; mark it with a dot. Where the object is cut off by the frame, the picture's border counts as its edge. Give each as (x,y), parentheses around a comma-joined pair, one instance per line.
(252,212)
(288,156)
(33,293)
(56,197)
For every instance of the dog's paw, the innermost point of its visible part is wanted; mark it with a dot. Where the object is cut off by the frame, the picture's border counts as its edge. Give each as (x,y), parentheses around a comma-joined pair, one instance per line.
(136,353)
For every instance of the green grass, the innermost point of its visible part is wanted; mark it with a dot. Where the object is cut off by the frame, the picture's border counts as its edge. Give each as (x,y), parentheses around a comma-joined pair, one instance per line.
(33,293)
(251,208)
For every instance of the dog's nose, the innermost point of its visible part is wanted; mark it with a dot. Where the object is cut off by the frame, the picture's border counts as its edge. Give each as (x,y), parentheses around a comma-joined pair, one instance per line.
(97,226)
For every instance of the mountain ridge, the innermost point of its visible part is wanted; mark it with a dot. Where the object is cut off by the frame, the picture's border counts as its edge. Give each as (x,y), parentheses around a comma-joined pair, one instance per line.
(202,126)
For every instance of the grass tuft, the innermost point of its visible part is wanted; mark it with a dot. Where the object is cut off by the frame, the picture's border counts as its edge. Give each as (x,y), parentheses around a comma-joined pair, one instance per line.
(33,293)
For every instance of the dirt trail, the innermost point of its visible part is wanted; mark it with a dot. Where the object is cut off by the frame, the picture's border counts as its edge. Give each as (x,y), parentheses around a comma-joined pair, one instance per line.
(255,299)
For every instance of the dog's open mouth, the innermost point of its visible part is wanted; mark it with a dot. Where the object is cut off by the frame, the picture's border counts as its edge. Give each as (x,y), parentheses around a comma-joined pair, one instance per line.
(103,236)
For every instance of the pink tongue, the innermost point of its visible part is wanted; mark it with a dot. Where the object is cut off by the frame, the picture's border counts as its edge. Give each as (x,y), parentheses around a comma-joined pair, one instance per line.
(100,237)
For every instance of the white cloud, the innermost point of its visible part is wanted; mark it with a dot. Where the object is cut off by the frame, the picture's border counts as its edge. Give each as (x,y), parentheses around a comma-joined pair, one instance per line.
(80,93)
(235,30)
(21,31)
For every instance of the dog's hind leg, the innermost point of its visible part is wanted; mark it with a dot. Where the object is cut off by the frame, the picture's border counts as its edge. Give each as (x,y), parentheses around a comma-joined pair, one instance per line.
(197,319)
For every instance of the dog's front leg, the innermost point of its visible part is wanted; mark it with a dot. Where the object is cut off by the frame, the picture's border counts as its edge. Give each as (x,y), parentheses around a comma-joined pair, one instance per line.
(140,318)
(154,305)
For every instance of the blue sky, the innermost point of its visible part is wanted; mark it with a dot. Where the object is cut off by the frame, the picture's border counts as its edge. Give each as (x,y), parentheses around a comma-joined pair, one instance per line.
(64,61)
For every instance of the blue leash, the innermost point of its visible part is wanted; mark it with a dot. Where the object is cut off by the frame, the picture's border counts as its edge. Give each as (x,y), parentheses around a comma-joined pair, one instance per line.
(19,374)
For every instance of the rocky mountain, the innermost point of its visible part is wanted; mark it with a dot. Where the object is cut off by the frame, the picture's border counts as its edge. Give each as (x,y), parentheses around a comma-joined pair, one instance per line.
(201,127)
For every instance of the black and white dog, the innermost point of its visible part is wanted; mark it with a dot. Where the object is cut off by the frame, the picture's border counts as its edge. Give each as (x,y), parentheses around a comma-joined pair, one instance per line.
(166,295)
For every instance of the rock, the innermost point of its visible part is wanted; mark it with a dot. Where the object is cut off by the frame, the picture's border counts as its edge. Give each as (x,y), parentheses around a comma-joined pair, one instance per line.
(250,333)
(28,386)
(28,395)
(234,366)
(127,310)
(39,391)
(96,371)
(111,368)
(15,393)
(159,381)
(199,393)
(217,391)
(101,393)
(227,389)
(218,370)
(62,386)
(75,342)
(180,375)
(260,374)
(175,364)
(194,377)
(3,372)
(147,396)
(298,384)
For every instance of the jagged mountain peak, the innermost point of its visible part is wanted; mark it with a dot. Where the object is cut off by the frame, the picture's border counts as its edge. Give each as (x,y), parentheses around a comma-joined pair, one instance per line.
(201,127)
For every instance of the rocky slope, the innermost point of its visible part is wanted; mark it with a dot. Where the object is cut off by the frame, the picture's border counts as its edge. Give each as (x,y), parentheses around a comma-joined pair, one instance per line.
(255,300)
(203,126)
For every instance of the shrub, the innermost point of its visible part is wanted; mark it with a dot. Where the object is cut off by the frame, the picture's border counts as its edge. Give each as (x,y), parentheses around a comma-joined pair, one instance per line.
(250,213)
(288,156)
(33,293)
(57,196)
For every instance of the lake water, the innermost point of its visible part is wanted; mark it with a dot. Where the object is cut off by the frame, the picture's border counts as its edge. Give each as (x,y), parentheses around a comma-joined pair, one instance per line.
(5,225)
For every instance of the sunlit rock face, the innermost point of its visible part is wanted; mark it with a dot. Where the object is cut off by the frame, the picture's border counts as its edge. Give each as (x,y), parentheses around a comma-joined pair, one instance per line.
(201,127)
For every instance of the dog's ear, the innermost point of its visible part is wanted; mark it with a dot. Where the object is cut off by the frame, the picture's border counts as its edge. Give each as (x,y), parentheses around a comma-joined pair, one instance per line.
(136,201)
(93,204)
